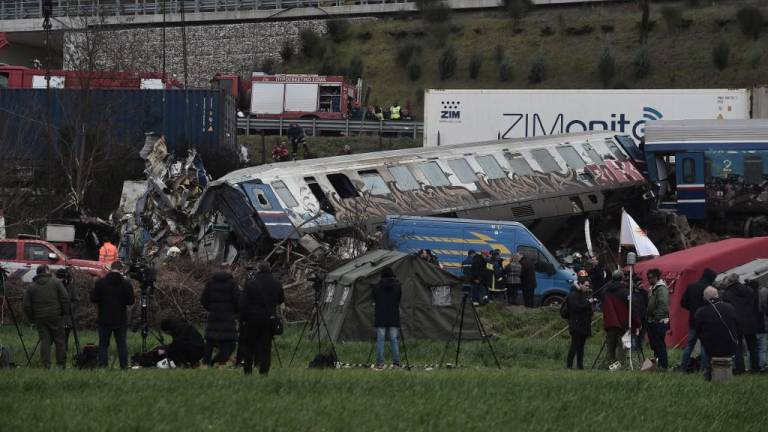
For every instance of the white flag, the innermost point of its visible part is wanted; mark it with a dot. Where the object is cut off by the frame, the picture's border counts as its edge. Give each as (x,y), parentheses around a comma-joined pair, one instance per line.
(633,235)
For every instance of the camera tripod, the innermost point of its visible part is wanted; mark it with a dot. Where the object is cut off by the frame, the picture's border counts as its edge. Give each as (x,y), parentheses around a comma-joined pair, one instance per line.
(3,276)
(315,321)
(460,321)
(637,350)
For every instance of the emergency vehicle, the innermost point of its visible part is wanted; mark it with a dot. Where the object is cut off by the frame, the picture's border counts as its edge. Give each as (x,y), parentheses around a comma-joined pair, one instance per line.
(20,258)
(12,77)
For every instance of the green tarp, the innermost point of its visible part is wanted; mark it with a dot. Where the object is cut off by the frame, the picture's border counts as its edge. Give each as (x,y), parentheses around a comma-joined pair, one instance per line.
(429,307)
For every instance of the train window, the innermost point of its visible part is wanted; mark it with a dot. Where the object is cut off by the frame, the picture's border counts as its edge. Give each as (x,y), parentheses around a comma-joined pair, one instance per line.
(518,164)
(434,175)
(571,157)
(689,170)
(614,149)
(342,185)
(374,183)
(285,195)
(594,155)
(491,166)
(707,170)
(753,169)
(320,196)
(263,201)
(545,160)
(4,80)
(403,177)
(462,170)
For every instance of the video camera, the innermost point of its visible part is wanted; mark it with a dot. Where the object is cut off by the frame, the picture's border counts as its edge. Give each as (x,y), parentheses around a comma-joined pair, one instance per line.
(317,279)
(143,273)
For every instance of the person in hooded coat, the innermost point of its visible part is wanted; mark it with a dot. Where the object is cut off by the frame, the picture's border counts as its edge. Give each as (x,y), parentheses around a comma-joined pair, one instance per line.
(692,300)
(46,303)
(744,300)
(717,327)
(386,296)
(615,305)
(220,298)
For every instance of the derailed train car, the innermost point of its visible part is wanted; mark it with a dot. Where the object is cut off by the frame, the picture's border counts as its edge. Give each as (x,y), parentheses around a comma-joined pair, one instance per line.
(541,182)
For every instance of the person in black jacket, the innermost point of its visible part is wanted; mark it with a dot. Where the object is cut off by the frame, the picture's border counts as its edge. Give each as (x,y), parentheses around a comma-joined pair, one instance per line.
(258,310)
(187,346)
(112,294)
(693,299)
(744,300)
(579,323)
(220,298)
(477,279)
(716,326)
(528,280)
(386,296)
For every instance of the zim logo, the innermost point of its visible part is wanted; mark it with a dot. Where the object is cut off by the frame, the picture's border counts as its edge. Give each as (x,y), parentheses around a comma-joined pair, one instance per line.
(450,110)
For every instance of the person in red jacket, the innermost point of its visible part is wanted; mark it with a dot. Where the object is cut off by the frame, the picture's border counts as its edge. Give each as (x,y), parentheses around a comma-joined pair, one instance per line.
(616,317)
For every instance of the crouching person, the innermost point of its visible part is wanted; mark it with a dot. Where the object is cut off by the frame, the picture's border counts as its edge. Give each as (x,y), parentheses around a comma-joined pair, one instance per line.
(386,295)
(187,346)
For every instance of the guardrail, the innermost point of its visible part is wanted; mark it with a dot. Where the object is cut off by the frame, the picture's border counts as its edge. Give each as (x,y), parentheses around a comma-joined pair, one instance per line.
(250,125)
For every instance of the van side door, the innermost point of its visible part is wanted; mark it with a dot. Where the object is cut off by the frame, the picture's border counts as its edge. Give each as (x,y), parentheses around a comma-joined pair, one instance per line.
(544,278)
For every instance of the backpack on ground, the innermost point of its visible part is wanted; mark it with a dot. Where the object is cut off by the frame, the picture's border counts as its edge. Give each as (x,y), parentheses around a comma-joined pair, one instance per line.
(324,361)
(564,312)
(88,358)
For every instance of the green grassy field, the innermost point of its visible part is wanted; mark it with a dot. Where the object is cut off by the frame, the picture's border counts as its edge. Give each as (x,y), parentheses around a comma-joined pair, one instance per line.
(532,392)
(679,58)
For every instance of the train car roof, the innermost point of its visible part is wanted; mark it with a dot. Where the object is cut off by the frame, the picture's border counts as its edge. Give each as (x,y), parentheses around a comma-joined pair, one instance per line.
(455,220)
(372,159)
(661,132)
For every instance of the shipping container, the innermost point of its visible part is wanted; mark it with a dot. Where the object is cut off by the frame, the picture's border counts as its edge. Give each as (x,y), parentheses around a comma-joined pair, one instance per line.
(464,116)
(34,122)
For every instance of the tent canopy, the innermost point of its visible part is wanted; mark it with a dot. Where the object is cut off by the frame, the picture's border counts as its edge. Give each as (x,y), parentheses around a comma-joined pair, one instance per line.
(684,267)
(431,298)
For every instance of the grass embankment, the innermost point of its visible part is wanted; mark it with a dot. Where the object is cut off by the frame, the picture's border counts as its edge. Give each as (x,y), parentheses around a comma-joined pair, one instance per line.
(679,58)
(532,392)
(325,146)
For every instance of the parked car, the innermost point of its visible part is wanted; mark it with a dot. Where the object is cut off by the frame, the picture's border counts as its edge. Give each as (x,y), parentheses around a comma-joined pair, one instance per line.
(20,257)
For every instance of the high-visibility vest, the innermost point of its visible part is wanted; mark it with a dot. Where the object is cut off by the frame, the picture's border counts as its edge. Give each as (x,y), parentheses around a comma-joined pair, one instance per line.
(394,112)
(107,253)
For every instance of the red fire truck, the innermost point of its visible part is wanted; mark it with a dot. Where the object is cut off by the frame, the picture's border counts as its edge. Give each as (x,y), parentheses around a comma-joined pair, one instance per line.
(292,96)
(23,77)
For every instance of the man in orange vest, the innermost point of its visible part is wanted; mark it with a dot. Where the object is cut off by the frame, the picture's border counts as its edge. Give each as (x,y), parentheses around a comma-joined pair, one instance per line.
(107,253)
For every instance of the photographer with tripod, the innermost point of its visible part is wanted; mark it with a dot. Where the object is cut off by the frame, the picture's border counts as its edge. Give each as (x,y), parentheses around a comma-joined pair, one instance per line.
(112,295)
(258,310)
(46,303)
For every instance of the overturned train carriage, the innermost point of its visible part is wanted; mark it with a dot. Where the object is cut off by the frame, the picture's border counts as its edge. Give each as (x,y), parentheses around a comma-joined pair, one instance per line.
(538,181)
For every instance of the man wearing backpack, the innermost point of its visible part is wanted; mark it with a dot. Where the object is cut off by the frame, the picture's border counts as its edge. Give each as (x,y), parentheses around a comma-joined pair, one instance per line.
(46,303)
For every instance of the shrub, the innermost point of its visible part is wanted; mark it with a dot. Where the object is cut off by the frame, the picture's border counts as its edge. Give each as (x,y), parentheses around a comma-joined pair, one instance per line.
(434,11)
(756,59)
(606,67)
(538,72)
(447,64)
(692,3)
(751,21)
(547,31)
(329,63)
(310,43)
(405,52)
(498,53)
(364,36)
(516,9)
(338,30)
(355,69)
(505,70)
(673,18)
(579,31)
(475,64)
(414,70)
(286,51)
(642,63)
(721,54)
(268,66)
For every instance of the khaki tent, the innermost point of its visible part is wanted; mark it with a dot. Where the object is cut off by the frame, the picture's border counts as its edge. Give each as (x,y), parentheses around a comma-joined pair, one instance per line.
(429,305)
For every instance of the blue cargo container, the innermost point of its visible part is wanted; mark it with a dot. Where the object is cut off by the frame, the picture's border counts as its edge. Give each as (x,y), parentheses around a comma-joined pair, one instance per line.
(203,119)
(450,239)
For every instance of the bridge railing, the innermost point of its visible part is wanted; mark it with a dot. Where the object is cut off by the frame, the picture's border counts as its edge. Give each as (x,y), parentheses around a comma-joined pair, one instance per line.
(30,9)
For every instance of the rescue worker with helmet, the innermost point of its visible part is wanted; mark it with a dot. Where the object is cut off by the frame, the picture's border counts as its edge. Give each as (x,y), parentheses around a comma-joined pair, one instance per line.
(582,281)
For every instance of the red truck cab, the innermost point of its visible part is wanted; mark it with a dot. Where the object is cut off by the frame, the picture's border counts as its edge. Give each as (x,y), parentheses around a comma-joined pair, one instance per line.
(13,77)
(20,257)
